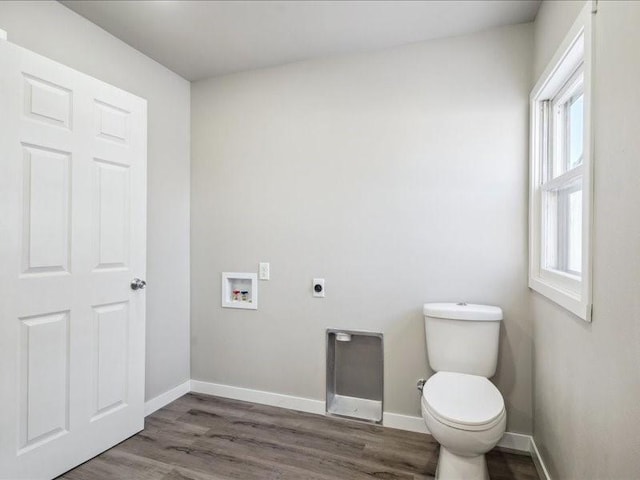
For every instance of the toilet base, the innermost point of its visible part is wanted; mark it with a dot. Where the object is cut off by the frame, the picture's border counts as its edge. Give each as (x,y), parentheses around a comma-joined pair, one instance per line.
(457,467)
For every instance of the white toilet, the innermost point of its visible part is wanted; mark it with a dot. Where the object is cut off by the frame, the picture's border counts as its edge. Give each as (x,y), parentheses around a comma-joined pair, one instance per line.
(463,410)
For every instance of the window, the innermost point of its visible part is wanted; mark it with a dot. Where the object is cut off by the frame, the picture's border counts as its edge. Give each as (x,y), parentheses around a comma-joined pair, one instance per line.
(560,191)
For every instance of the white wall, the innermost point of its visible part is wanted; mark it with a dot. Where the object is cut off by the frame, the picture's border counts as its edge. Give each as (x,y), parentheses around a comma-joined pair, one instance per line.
(54,31)
(587,376)
(399,176)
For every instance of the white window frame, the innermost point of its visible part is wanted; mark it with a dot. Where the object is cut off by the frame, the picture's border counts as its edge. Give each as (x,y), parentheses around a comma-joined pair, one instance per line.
(570,64)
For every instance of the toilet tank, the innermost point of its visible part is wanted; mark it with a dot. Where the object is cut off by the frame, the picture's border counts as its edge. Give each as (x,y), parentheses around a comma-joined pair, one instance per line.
(462,337)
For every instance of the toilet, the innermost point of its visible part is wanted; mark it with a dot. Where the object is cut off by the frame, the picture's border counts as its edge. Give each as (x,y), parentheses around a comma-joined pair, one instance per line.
(463,410)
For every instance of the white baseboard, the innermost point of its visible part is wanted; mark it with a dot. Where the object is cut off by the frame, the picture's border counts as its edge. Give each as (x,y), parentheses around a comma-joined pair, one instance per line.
(511,441)
(517,442)
(167,397)
(258,396)
(543,473)
(404,422)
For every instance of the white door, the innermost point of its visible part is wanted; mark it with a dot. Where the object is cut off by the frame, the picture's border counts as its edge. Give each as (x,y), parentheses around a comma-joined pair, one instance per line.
(72,238)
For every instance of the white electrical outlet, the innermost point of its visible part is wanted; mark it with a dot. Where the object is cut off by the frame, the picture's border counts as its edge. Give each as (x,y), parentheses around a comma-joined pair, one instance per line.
(264,271)
(318,287)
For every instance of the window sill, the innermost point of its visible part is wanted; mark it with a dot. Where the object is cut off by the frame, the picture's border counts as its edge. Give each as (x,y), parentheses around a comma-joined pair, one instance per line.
(567,299)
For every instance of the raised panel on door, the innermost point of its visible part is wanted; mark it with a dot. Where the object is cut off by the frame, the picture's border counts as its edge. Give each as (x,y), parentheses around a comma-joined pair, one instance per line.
(44,379)
(112,218)
(47,102)
(110,358)
(46,209)
(112,122)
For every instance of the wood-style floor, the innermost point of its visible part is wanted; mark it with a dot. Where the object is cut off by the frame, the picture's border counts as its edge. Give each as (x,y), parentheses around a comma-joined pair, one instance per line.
(199,437)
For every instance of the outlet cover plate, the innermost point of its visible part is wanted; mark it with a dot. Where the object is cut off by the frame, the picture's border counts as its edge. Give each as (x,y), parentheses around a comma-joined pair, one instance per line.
(318,281)
(264,270)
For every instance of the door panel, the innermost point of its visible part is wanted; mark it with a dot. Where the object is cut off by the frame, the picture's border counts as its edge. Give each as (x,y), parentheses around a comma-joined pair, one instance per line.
(47,102)
(110,358)
(46,220)
(72,236)
(112,214)
(112,122)
(44,378)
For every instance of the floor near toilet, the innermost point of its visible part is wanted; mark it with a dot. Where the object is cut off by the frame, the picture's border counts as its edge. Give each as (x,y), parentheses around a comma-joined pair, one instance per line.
(200,437)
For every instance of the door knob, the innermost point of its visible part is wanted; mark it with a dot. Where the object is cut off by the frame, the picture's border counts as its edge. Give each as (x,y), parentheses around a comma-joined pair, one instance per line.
(137,284)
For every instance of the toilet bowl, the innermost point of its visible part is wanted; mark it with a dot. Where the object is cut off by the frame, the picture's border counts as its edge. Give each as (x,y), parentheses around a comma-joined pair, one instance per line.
(466,416)
(462,409)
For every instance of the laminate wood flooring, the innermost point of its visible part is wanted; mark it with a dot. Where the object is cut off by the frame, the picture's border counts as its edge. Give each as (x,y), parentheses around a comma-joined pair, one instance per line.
(200,437)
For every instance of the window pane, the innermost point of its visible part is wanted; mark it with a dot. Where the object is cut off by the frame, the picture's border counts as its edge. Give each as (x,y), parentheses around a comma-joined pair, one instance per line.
(574,230)
(575,119)
(562,239)
(550,231)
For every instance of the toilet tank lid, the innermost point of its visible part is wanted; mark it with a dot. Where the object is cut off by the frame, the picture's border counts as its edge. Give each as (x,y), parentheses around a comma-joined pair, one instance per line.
(462,311)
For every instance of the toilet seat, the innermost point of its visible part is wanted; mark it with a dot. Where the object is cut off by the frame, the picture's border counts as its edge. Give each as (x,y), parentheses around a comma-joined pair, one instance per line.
(462,401)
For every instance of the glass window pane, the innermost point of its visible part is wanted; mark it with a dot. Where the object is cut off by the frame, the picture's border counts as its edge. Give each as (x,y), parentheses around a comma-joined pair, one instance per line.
(562,239)
(550,228)
(558,133)
(575,119)
(574,230)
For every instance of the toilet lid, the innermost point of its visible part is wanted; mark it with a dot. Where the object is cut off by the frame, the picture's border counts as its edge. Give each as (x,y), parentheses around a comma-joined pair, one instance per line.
(463,399)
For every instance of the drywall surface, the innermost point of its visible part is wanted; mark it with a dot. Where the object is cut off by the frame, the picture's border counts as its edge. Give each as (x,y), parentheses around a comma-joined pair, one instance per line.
(398,176)
(52,30)
(551,25)
(587,376)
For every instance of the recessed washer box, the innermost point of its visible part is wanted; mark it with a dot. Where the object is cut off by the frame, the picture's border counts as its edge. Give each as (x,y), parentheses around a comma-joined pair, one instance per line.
(240,290)
(355,375)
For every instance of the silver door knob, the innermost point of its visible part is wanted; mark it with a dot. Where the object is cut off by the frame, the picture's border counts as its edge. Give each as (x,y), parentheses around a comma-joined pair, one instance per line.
(137,284)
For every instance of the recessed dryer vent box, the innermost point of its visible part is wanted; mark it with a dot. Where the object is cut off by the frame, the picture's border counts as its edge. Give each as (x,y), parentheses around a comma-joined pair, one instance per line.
(240,290)
(355,375)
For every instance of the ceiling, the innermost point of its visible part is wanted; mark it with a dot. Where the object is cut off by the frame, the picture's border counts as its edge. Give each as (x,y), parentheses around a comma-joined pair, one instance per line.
(200,39)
